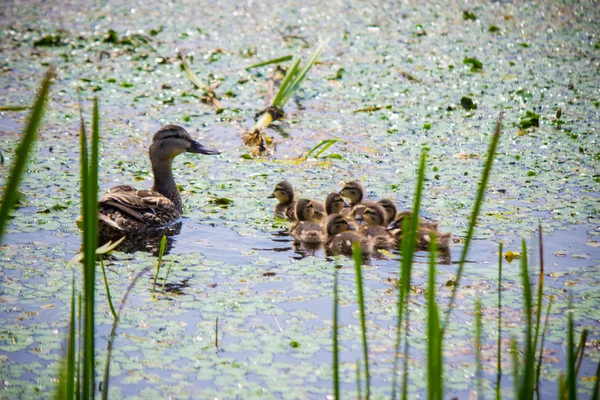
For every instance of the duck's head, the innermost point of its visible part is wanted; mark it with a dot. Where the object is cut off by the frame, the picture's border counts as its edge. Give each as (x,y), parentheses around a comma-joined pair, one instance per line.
(353,191)
(284,192)
(374,215)
(335,224)
(304,210)
(334,203)
(399,220)
(172,140)
(390,209)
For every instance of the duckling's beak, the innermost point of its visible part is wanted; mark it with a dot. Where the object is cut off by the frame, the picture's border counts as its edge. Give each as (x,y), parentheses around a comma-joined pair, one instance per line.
(359,217)
(197,147)
(351,228)
(346,205)
(271,196)
(392,226)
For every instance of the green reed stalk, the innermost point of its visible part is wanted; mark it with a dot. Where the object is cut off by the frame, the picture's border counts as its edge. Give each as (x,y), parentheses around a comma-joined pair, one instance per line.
(89,203)
(10,194)
(166,277)
(336,350)
(539,363)
(108,296)
(435,379)
(161,251)
(571,358)
(357,253)
(79,373)
(499,340)
(527,377)
(409,225)
(71,351)
(514,351)
(540,294)
(217,334)
(474,215)
(478,371)
(113,331)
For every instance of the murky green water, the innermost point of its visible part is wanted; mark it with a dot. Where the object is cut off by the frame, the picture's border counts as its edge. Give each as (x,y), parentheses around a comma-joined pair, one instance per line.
(232,263)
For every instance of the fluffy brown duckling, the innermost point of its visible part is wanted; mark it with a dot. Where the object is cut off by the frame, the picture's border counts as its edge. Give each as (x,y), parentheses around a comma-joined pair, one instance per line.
(334,203)
(425,232)
(125,210)
(285,208)
(390,210)
(306,229)
(374,216)
(355,194)
(341,236)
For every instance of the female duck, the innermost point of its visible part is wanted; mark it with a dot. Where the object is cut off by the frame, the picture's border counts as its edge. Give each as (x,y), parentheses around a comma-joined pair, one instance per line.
(125,210)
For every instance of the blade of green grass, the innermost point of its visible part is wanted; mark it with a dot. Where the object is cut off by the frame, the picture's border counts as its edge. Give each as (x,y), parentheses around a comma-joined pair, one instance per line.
(474,215)
(478,372)
(540,294)
(571,360)
(166,277)
(268,62)
(541,353)
(499,341)
(71,351)
(285,84)
(108,296)
(357,254)
(324,145)
(336,350)
(514,351)
(580,350)
(295,84)
(161,251)
(407,245)
(22,153)
(217,334)
(190,74)
(527,378)
(435,381)
(113,331)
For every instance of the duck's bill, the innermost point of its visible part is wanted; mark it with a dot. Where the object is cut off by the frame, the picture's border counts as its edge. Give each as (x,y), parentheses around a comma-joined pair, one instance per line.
(351,228)
(392,226)
(197,147)
(271,196)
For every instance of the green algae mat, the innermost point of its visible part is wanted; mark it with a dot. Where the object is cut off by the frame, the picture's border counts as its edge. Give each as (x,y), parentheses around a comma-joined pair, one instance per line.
(394,78)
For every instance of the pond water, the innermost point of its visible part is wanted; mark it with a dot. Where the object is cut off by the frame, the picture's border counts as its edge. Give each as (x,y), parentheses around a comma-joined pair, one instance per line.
(236,263)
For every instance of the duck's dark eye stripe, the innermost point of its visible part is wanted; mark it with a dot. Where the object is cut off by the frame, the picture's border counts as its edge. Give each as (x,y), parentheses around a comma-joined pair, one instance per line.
(174,135)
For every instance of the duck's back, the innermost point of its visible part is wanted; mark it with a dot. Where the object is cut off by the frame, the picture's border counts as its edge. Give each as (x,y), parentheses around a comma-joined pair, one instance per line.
(342,243)
(380,237)
(308,232)
(125,210)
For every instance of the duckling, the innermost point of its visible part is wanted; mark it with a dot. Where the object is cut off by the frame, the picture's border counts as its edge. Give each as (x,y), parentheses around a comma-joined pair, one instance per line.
(306,229)
(390,210)
(374,216)
(125,210)
(340,237)
(355,193)
(334,203)
(425,223)
(284,193)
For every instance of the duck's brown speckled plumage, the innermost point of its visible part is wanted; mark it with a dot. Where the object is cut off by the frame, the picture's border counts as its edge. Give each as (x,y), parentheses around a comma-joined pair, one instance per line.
(286,206)
(125,210)
(341,236)
(355,193)
(306,229)
(374,230)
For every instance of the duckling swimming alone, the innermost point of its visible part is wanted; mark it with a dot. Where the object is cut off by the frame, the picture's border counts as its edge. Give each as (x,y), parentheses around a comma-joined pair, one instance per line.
(340,237)
(125,210)
(306,229)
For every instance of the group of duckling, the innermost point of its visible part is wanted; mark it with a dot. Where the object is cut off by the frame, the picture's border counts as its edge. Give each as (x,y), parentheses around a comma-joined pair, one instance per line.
(338,224)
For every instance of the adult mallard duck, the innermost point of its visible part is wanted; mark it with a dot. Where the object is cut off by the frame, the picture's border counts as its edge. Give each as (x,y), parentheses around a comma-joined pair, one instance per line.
(125,210)
(306,229)
(286,206)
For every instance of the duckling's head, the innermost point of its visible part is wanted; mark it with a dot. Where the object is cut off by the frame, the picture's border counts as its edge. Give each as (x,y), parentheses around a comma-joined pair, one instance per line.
(334,203)
(353,191)
(284,192)
(399,220)
(390,209)
(374,215)
(172,140)
(304,210)
(335,224)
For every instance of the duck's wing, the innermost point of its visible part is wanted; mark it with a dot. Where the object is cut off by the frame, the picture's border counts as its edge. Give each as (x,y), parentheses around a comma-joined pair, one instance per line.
(145,206)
